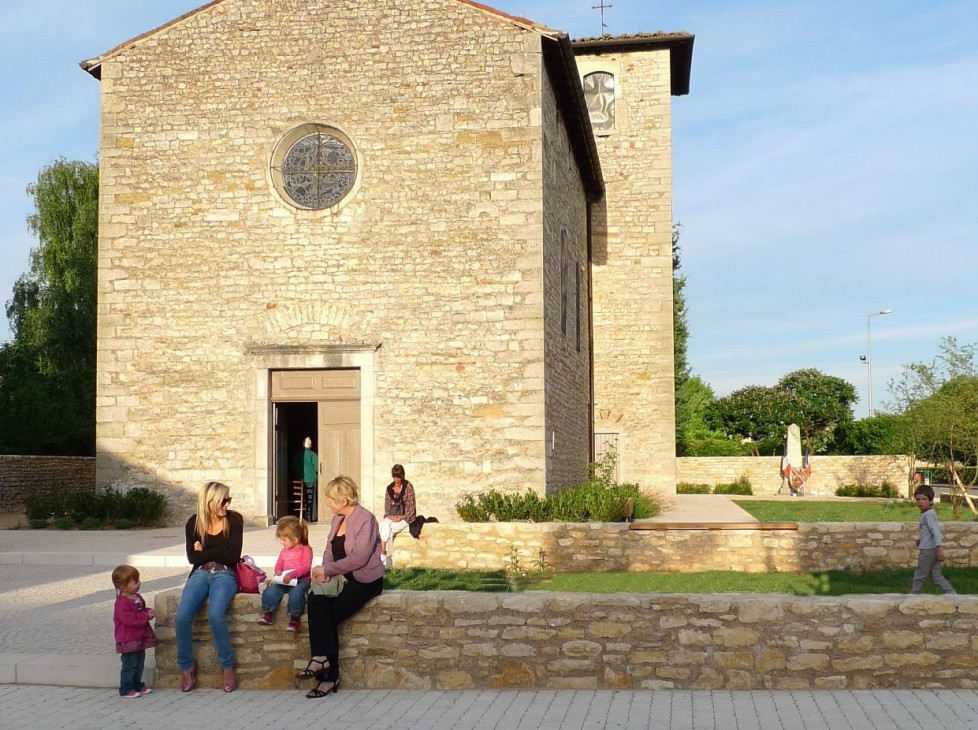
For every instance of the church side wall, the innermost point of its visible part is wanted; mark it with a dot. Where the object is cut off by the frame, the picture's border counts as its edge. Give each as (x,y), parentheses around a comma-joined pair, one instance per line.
(566,305)
(633,326)
(435,264)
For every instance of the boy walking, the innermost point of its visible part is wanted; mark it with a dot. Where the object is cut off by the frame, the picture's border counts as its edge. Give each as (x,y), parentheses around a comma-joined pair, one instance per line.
(930,543)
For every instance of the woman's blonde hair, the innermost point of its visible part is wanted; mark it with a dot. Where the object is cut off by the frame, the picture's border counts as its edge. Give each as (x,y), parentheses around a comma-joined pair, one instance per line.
(343,490)
(211,493)
(294,528)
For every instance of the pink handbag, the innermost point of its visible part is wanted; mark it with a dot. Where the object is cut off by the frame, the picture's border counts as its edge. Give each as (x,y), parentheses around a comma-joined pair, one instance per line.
(250,576)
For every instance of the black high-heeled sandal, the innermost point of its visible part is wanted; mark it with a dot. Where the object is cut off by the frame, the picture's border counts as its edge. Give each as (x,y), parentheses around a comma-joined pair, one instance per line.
(309,672)
(317,692)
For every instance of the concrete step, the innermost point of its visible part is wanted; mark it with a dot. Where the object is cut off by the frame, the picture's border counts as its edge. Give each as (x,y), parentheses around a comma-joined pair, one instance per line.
(68,670)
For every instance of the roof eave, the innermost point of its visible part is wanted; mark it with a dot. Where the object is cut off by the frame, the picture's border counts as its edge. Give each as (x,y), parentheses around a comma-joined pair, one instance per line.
(679,45)
(561,63)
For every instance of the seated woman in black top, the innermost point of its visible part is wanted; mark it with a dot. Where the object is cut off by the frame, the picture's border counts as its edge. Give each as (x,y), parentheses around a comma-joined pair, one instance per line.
(214,537)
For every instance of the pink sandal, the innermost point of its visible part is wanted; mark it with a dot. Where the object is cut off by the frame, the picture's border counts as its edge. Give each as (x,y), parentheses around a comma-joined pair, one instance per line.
(189,678)
(229,680)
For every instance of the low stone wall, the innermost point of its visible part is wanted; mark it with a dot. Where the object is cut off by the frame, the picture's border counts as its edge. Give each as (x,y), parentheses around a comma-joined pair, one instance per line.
(20,475)
(455,640)
(574,547)
(828,472)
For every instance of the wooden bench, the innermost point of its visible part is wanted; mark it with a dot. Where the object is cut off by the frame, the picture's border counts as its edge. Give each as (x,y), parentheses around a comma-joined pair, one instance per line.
(663,526)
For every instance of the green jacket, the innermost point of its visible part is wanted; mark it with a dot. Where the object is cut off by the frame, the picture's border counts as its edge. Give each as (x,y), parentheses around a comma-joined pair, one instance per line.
(310,463)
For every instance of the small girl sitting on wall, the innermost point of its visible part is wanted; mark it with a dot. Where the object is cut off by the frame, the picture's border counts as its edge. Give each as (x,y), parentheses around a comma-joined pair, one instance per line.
(291,573)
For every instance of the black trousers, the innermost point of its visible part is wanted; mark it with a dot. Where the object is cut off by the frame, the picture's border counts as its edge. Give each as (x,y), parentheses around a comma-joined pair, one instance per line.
(326,614)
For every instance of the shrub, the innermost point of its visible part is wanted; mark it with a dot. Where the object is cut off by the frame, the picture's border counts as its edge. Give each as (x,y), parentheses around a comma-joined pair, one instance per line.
(740,486)
(45,502)
(37,524)
(689,488)
(471,510)
(142,506)
(122,523)
(598,500)
(868,490)
(889,491)
(91,523)
(63,523)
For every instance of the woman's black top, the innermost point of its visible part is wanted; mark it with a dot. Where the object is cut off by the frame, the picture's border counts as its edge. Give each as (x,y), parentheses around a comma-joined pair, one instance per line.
(338,546)
(219,548)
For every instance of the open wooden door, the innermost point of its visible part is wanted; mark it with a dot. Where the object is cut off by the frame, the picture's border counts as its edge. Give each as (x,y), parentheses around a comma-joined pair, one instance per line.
(339,445)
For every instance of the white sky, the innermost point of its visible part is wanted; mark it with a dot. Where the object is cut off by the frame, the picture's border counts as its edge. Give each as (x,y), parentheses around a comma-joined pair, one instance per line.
(825,163)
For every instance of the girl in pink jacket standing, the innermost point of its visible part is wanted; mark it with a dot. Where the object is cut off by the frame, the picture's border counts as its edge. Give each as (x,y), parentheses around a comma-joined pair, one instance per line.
(133,634)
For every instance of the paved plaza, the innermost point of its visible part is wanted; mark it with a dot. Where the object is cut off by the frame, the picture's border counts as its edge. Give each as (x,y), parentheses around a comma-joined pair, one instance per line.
(78,709)
(58,667)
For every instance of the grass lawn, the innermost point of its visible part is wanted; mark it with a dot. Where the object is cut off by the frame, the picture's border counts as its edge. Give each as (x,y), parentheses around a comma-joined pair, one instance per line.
(801,510)
(835,583)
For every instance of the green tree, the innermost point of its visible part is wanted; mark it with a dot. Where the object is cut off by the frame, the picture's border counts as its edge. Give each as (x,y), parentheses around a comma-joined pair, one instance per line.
(818,403)
(694,436)
(680,322)
(47,372)
(939,404)
(880,434)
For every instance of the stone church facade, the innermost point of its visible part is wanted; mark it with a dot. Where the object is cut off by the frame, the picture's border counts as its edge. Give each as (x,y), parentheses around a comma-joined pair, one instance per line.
(395,229)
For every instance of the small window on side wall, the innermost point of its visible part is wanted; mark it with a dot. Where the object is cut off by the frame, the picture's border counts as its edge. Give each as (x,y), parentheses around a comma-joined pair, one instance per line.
(599,93)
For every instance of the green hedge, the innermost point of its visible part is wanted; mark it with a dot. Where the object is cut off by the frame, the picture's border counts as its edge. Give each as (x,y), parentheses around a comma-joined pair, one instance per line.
(868,490)
(598,500)
(69,506)
(740,486)
(689,488)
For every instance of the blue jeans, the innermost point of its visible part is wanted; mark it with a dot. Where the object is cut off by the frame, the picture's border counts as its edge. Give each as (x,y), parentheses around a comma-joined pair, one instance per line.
(297,597)
(131,676)
(217,589)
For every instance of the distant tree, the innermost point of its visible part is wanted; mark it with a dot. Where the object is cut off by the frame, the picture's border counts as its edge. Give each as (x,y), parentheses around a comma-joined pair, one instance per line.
(696,437)
(680,322)
(755,413)
(879,434)
(818,403)
(47,372)
(939,403)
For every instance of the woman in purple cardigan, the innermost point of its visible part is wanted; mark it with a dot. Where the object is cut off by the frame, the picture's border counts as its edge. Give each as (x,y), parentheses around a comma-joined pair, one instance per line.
(352,551)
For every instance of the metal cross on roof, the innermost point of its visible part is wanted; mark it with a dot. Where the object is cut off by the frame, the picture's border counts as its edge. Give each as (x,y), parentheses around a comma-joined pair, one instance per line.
(602,7)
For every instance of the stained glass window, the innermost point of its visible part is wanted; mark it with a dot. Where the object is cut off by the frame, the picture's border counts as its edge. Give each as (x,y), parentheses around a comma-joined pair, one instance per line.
(318,168)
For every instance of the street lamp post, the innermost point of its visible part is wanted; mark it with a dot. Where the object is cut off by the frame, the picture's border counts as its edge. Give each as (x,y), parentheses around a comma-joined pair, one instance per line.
(869,354)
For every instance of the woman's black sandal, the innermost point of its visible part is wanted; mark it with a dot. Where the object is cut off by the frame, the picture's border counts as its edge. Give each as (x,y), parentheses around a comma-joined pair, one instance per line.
(309,672)
(316,693)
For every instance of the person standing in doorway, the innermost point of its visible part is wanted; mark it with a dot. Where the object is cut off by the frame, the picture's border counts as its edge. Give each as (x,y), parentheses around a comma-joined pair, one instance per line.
(310,478)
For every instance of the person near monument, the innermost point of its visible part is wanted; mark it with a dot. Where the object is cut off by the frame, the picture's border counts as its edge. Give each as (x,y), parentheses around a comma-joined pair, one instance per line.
(214,535)
(351,557)
(400,510)
(930,543)
(310,480)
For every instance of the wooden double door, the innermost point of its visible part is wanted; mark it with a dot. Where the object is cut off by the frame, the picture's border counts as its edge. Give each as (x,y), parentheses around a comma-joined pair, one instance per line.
(323,405)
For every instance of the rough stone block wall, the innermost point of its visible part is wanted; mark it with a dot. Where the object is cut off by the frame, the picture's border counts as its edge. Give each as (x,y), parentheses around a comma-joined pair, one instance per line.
(454,640)
(567,341)
(632,272)
(599,547)
(435,262)
(20,475)
(828,472)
